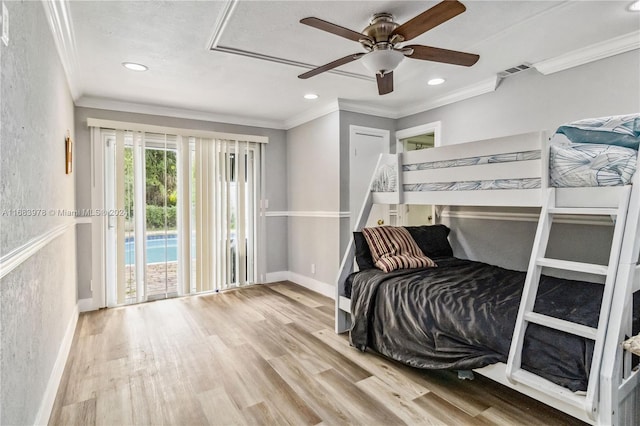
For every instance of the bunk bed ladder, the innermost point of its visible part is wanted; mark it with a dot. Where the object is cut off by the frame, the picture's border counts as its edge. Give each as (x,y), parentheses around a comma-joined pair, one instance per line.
(526,314)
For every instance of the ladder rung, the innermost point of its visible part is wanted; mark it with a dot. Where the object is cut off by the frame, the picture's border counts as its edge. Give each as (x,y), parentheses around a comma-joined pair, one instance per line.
(593,211)
(536,382)
(567,265)
(562,325)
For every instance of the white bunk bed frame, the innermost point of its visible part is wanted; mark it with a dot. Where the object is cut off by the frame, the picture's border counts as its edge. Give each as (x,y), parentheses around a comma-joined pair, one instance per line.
(613,395)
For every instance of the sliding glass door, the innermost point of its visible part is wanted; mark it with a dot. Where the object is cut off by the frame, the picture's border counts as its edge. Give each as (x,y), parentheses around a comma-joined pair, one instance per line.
(182,215)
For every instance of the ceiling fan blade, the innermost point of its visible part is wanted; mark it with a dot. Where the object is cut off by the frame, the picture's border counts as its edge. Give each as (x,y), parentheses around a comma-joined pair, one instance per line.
(430,18)
(333,29)
(332,65)
(385,83)
(436,54)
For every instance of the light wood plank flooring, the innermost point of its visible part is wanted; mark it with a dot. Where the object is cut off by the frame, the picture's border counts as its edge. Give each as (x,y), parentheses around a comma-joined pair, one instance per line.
(260,355)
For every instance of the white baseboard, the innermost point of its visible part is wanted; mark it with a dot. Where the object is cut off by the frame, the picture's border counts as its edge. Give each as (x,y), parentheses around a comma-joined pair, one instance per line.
(86,305)
(274,277)
(46,405)
(313,284)
(306,282)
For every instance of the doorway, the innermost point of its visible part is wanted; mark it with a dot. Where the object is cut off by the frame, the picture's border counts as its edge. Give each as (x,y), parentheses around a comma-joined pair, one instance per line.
(182,215)
(421,137)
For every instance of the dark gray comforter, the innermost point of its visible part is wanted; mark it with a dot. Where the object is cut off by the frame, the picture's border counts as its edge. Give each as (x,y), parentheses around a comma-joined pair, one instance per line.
(461,316)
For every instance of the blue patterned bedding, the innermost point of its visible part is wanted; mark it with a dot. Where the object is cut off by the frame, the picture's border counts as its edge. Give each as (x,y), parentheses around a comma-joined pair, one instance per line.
(619,130)
(595,152)
(583,164)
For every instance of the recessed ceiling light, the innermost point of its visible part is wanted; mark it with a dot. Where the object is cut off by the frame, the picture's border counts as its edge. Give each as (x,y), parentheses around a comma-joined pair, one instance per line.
(311,96)
(435,81)
(134,67)
(634,7)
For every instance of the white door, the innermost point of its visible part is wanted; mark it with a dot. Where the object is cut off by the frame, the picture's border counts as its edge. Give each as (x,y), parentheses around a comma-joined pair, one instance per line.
(365,146)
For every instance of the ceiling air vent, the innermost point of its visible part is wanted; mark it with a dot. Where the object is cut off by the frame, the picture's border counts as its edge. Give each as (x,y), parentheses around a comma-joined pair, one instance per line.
(514,70)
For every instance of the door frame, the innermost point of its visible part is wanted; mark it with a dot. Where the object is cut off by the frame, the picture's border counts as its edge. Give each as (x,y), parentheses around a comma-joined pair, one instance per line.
(436,128)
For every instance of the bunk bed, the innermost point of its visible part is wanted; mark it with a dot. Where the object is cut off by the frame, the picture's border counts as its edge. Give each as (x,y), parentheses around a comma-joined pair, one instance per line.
(557,340)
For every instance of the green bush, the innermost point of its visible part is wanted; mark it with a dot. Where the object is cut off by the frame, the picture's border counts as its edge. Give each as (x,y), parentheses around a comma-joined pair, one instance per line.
(155,217)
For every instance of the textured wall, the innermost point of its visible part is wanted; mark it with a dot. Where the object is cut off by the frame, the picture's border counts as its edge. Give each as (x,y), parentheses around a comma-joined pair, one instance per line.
(37,299)
(275,180)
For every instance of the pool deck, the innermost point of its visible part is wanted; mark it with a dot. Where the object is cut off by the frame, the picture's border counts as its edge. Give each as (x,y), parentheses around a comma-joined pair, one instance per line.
(157,275)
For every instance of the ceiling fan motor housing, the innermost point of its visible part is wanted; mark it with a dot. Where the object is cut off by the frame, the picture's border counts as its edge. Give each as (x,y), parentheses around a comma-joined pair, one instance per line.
(380,27)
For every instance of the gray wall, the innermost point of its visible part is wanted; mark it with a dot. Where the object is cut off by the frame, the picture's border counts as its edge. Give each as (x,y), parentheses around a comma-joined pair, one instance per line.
(318,181)
(275,177)
(37,299)
(526,102)
(313,185)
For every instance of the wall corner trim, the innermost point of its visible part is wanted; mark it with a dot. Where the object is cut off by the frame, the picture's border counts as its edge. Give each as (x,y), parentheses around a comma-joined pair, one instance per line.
(46,405)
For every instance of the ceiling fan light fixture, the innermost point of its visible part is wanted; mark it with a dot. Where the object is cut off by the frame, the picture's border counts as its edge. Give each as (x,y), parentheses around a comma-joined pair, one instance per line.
(435,81)
(382,61)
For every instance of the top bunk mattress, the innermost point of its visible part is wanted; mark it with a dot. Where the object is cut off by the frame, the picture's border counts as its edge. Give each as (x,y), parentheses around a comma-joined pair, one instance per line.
(595,152)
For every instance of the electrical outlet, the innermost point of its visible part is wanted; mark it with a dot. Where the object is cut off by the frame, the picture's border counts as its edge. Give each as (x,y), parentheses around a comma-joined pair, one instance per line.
(5,25)
(313,268)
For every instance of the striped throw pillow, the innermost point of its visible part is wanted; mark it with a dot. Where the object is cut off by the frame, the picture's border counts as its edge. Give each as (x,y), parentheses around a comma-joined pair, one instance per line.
(393,248)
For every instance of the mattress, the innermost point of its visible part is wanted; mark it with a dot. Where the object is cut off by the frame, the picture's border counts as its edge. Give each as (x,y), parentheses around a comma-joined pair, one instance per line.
(461,315)
(588,164)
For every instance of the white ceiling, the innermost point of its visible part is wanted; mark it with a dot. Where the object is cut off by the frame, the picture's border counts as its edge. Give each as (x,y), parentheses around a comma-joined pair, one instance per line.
(173,39)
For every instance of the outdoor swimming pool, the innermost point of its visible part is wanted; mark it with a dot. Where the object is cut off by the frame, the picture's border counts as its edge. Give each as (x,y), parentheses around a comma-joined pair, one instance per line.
(160,248)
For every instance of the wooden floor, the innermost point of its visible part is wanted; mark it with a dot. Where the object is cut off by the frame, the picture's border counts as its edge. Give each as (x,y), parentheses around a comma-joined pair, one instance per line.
(260,355)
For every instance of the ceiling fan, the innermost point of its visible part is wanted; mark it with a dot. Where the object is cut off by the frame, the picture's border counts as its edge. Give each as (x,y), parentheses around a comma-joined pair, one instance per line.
(381,40)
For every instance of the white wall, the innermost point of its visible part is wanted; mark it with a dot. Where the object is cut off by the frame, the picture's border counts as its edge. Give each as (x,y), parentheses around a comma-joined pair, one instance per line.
(38,297)
(313,188)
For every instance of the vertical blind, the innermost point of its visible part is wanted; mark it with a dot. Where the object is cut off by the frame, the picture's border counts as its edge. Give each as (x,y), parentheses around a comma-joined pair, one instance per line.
(226,198)
(217,209)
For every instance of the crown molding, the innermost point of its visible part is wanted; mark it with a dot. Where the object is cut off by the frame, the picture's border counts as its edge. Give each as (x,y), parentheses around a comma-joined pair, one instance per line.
(595,52)
(115,105)
(59,18)
(380,111)
(311,114)
(485,86)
